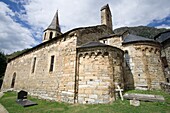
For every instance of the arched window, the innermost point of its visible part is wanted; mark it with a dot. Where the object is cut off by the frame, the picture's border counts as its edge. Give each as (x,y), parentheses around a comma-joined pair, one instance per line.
(51,35)
(13,80)
(52,64)
(33,66)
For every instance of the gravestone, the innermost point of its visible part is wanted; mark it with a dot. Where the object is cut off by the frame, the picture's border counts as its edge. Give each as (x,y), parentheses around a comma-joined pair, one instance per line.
(144,97)
(22,95)
(22,99)
(120,91)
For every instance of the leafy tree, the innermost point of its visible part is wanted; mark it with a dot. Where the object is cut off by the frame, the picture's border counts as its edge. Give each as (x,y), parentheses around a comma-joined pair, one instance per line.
(3,64)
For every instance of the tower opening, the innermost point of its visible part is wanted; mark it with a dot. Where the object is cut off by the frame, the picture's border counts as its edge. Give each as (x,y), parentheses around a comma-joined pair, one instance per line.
(51,35)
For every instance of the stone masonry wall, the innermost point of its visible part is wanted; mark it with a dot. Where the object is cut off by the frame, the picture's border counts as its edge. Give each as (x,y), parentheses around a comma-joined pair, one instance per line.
(113,41)
(92,34)
(99,69)
(145,65)
(167,51)
(57,85)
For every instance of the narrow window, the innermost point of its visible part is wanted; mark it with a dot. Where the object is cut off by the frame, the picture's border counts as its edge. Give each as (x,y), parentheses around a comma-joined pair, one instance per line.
(164,61)
(13,80)
(52,63)
(51,35)
(167,80)
(33,66)
(127,58)
(105,41)
(45,36)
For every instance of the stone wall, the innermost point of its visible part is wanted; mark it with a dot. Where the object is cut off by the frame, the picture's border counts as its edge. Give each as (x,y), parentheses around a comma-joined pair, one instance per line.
(99,69)
(115,41)
(57,85)
(167,52)
(145,65)
(165,86)
(92,34)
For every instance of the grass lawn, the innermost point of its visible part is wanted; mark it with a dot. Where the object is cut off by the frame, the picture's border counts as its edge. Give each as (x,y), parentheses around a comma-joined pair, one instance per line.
(8,100)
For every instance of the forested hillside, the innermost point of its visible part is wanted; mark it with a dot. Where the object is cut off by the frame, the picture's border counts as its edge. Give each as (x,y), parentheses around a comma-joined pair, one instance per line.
(148,32)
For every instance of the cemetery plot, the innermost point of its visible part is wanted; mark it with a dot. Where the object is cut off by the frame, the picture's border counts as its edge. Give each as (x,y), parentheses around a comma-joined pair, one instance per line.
(22,99)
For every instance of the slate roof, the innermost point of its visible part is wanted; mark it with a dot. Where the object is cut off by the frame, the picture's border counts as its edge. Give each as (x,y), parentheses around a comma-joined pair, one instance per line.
(162,37)
(93,44)
(55,23)
(134,38)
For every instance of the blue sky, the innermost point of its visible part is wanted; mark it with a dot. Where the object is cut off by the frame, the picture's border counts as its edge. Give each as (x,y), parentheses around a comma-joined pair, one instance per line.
(165,22)
(22,21)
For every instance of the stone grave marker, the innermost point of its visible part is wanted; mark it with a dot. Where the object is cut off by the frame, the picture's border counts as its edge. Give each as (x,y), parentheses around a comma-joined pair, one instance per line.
(22,99)
(22,95)
(120,91)
(144,97)
(134,102)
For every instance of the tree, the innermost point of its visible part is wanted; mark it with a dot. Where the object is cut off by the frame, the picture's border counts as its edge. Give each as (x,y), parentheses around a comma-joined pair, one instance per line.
(3,64)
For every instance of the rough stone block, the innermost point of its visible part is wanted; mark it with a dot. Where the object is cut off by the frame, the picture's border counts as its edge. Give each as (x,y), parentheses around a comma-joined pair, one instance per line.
(135,102)
(93,96)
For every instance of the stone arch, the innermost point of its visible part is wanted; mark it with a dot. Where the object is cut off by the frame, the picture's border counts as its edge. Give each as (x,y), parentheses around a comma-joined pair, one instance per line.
(99,53)
(105,54)
(151,49)
(80,55)
(51,35)
(86,54)
(92,54)
(146,48)
(156,51)
(13,80)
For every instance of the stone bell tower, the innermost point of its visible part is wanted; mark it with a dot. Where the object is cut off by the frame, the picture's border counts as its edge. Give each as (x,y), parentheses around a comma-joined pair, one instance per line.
(106,16)
(53,29)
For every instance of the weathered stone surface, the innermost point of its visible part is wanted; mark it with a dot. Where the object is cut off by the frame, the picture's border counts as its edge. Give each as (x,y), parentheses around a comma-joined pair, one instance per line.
(144,97)
(135,102)
(42,83)
(99,83)
(143,65)
(165,87)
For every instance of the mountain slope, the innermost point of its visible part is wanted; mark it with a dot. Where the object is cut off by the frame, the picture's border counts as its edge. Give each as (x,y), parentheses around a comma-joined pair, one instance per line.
(148,32)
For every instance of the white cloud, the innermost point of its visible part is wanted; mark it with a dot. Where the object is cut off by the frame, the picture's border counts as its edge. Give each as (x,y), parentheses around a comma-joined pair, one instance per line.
(87,12)
(76,13)
(13,36)
(140,12)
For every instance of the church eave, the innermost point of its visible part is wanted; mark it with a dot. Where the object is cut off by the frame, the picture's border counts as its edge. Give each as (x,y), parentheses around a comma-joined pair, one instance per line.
(142,41)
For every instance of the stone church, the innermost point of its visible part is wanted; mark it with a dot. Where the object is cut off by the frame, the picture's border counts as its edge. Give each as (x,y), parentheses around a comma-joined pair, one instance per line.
(87,64)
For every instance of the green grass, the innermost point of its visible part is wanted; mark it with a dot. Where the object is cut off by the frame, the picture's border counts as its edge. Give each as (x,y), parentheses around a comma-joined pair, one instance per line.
(8,100)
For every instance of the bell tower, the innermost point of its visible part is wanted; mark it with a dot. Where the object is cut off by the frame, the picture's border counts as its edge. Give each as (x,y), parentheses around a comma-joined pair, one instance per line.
(106,16)
(53,29)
